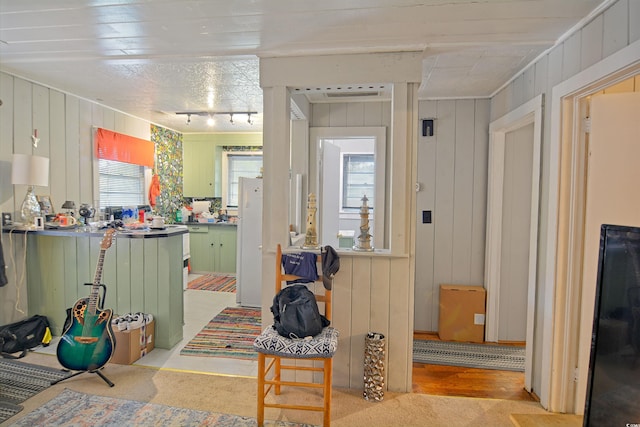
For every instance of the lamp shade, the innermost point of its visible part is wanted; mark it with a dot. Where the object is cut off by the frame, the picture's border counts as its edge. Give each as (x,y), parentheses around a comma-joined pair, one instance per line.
(30,170)
(69,204)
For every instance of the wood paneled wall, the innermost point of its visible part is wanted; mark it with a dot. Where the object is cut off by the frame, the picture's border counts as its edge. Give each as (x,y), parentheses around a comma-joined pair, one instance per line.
(367,286)
(607,33)
(373,292)
(140,275)
(452,175)
(370,295)
(65,128)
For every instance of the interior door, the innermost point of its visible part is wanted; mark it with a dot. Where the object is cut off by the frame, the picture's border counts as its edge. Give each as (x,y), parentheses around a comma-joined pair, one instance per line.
(516,221)
(330,203)
(612,196)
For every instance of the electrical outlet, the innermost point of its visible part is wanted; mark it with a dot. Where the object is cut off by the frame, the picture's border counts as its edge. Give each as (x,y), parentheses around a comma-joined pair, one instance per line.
(6,219)
(478,319)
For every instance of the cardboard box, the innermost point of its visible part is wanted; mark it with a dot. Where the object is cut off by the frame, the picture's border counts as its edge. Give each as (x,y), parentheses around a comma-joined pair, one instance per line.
(132,345)
(462,313)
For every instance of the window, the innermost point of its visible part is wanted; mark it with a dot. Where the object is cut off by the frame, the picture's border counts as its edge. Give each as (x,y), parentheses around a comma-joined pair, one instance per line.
(348,163)
(358,178)
(121,184)
(239,164)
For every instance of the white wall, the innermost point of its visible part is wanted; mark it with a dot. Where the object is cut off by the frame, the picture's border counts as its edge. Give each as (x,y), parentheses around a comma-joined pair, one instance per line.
(613,29)
(452,174)
(372,292)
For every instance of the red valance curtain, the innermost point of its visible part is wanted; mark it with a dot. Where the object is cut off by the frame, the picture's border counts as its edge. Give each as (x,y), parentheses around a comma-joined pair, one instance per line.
(124,148)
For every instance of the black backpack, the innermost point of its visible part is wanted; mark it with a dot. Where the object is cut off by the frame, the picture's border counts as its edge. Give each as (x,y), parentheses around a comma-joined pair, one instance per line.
(295,313)
(24,335)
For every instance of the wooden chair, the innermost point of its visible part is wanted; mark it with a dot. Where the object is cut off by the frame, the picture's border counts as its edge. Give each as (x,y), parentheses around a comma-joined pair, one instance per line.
(278,349)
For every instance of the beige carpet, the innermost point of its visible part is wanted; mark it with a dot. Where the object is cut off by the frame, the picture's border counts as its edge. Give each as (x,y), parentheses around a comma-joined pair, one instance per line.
(546,420)
(235,395)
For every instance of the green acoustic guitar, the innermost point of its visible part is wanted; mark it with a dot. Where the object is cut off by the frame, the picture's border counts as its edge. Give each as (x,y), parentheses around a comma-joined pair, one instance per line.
(88,343)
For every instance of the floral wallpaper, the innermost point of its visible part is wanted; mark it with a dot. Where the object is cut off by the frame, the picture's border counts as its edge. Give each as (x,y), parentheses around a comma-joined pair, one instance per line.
(169,169)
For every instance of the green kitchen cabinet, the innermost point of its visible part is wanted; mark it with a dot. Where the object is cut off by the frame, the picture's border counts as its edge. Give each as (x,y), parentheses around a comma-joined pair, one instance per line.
(198,169)
(200,248)
(226,239)
(213,248)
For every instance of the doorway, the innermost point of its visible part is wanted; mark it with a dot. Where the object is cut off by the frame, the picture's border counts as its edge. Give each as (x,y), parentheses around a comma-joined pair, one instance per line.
(451,208)
(521,126)
(574,280)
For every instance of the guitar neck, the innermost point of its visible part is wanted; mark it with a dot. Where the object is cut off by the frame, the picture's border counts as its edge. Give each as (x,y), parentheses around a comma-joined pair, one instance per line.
(94,296)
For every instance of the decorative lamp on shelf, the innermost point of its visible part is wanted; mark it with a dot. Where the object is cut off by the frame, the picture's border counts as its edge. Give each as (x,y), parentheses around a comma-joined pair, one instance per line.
(70,206)
(30,170)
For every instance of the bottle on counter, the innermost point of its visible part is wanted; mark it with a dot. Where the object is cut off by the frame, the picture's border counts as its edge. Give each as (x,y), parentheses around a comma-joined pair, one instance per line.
(185,214)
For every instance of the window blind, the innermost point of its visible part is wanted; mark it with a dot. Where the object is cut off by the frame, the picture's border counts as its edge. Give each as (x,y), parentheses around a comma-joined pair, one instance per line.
(358,177)
(121,184)
(240,165)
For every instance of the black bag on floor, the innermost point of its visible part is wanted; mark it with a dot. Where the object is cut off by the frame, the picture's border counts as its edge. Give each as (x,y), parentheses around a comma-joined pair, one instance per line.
(295,313)
(24,335)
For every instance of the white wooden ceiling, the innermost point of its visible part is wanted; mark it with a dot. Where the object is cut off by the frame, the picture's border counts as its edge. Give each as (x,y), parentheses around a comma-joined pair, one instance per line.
(152,58)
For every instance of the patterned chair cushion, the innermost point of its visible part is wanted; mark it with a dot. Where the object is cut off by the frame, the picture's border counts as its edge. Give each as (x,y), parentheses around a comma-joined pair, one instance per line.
(323,345)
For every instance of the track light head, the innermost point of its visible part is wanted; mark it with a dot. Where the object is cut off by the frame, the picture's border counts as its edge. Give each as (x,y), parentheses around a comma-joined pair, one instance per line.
(211,115)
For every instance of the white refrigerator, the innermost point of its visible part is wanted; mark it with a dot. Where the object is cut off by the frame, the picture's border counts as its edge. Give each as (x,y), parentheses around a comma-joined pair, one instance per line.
(249,259)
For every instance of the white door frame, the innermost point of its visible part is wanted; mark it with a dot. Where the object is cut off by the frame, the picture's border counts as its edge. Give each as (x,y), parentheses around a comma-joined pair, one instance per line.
(562,305)
(530,112)
(379,133)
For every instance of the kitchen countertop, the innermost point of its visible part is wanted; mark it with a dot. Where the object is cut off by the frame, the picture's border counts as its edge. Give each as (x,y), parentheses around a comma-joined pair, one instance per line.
(169,230)
(144,270)
(211,223)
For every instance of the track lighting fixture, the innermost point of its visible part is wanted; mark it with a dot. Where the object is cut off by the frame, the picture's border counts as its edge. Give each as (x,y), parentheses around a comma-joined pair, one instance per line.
(211,115)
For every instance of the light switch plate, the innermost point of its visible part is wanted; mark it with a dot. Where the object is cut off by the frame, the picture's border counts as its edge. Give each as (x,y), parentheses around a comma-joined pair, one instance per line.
(478,319)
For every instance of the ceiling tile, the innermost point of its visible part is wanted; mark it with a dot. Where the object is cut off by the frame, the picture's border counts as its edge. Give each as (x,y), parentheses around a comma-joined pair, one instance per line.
(152,58)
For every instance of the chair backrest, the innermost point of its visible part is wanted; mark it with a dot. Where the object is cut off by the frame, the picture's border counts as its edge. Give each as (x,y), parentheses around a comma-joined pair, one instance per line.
(322,295)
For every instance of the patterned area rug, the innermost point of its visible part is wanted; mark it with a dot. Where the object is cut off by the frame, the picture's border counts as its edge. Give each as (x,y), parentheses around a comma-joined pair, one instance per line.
(71,408)
(230,334)
(504,358)
(19,381)
(214,282)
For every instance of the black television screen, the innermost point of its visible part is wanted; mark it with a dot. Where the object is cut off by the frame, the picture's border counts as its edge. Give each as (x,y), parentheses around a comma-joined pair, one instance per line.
(613,388)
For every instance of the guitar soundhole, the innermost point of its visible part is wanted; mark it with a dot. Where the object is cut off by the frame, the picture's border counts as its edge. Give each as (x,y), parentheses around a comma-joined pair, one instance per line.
(79,309)
(103,317)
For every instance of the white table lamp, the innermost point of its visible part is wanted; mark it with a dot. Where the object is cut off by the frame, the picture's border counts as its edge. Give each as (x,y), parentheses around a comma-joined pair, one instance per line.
(30,170)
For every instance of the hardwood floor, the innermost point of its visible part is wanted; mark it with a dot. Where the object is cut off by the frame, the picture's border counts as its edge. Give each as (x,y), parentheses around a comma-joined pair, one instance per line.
(468,382)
